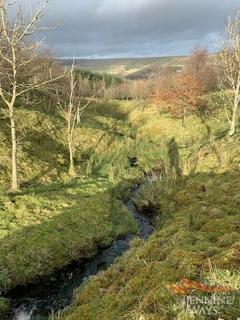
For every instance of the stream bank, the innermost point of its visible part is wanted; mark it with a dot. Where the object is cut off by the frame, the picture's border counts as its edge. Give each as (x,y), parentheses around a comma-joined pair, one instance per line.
(39,301)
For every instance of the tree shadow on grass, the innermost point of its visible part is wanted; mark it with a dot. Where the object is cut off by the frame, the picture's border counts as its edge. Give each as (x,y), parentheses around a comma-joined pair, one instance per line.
(80,225)
(48,155)
(86,188)
(107,109)
(43,146)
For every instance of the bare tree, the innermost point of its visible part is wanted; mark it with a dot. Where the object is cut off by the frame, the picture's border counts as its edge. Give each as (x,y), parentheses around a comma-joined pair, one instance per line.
(229,62)
(71,105)
(17,54)
(203,64)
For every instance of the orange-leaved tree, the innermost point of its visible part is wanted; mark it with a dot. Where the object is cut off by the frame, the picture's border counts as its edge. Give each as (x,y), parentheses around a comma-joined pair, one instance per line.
(182,95)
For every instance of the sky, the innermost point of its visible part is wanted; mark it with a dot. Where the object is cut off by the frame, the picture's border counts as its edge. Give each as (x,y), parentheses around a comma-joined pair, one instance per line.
(134,28)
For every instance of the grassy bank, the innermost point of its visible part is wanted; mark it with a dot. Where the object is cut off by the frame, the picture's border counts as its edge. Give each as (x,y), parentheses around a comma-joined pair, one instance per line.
(197,235)
(197,228)
(54,220)
(46,228)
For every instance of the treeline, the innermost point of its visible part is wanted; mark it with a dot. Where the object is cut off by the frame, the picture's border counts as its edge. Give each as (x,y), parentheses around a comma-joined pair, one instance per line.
(96,77)
(200,68)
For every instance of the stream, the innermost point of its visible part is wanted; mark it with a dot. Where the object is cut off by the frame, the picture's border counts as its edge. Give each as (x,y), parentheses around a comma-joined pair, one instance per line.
(39,301)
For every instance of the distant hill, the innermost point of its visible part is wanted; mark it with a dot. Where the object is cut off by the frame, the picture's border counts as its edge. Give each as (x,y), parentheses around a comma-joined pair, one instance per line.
(131,68)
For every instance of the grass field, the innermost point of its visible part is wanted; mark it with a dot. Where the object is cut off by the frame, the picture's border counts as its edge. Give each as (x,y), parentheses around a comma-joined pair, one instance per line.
(54,220)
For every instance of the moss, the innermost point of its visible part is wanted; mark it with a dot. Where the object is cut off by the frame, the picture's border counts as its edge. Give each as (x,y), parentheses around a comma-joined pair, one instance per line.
(4,307)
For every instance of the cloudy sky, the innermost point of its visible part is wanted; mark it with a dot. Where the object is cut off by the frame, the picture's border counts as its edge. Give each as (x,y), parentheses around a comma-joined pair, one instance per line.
(134,28)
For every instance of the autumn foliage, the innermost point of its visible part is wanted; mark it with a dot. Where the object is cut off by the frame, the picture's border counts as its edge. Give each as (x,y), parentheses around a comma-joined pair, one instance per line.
(181,96)
(180,93)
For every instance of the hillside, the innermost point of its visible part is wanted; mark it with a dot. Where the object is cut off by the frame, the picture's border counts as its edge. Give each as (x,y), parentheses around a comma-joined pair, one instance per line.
(197,229)
(54,220)
(119,178)
(131,68)
(197,217)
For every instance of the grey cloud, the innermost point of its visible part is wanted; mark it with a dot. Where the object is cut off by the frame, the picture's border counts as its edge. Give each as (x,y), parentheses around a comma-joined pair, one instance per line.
(118,28)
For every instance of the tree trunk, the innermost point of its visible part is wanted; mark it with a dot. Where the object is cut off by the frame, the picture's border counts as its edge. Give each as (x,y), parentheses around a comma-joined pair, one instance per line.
(232,128)
(183,121)
(234,115)
(78,115)
(183,118)
(71,170)
(14,153)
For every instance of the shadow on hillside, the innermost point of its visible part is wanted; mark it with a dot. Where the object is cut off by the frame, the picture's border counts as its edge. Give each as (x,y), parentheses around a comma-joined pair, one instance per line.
(46,152)
(52,189)
(35,180)
(109,109)
(112,109)
(74,233)
(174,159)
(50,109)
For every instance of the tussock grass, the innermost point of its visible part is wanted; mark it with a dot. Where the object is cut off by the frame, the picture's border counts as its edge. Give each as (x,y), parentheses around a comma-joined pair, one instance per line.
(197,226)
(197,215)
(193,227)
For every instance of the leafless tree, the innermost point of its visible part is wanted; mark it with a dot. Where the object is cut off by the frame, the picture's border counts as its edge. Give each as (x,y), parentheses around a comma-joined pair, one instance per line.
(229,62)
(203,64)
(17,56)
(71,105)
